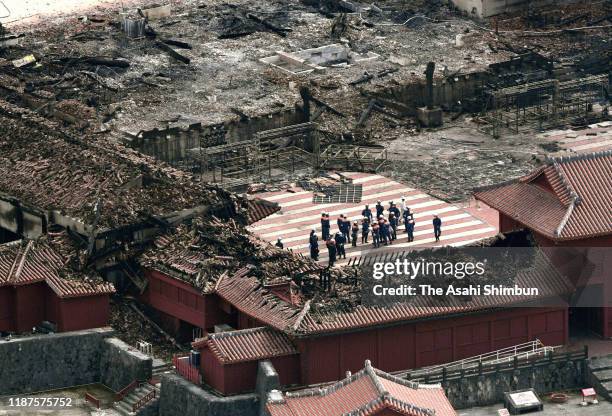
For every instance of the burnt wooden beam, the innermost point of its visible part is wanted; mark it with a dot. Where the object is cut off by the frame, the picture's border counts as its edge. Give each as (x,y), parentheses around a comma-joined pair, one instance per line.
(174,54)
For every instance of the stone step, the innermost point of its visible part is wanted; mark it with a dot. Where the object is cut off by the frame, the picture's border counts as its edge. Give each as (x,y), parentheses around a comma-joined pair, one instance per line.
(603,375)
(599,364)
(607,386)
(123,408)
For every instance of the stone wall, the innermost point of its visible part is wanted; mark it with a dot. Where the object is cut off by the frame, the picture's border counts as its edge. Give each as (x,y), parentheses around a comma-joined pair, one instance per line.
(121,364)
(54,361)
(179,397)
(486,386)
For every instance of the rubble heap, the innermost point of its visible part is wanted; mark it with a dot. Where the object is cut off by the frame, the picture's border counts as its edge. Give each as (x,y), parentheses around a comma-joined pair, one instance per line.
(50,169)
(201,251)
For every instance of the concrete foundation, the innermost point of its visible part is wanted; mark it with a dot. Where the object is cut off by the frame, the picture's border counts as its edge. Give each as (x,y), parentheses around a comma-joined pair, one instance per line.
(430,117)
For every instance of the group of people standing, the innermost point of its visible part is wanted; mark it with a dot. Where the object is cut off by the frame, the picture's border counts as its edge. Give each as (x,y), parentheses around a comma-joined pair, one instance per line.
(383,229)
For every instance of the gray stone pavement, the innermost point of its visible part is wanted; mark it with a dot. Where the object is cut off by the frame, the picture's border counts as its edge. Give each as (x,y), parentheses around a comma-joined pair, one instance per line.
(571,408)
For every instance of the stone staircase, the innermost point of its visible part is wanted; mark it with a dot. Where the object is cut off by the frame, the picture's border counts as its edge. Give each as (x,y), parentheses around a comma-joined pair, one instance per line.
(124,406)
(160,367)
(599,373)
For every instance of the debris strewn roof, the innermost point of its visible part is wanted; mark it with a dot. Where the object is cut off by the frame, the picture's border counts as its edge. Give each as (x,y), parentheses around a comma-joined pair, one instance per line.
(50,169)
(247,345)
(569,198)
(259,209)
(364,393)
(206,248)
(249,296)
(26,262)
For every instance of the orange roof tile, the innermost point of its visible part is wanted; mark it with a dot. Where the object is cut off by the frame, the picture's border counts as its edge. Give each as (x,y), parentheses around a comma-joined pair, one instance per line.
(26,262)
(574,203)
(364,393)
(248,345)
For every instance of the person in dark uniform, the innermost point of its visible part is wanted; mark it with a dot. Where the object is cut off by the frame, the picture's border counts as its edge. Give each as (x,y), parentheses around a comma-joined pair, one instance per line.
(331,250)
(354,233)
(393,209)
(381,230)
(279,243)
(376,234)
(406,214)
(347,229)
(325,226)
(410,229)
(437,225)
(340,242)
(314,245)
(379,209)
(387,230)
(367,213)
(365,230)
(340,222)
(393,225)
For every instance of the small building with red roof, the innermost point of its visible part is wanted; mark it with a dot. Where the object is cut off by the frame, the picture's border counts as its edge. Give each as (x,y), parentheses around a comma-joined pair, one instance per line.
(566,204)
(369,392)
(39,283)
(229,359)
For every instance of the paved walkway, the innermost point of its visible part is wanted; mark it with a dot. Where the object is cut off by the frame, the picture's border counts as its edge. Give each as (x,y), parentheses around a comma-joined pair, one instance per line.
(299,215)
(571,408)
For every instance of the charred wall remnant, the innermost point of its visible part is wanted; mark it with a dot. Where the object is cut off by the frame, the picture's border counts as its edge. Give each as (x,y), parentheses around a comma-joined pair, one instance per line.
(172,144)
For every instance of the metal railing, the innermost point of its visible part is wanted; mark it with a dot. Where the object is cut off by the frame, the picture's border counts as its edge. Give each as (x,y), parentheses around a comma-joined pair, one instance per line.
(126,390)
(525,350)
(144,400)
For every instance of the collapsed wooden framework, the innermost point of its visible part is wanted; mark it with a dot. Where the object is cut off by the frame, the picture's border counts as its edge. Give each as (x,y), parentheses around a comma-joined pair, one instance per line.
(543,104)
(350,158)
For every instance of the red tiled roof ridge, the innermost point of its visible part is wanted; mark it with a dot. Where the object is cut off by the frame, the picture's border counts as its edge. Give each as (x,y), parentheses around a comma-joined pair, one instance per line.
(248,345)
(583,199)
(368,371)
(240,332)
(375,405)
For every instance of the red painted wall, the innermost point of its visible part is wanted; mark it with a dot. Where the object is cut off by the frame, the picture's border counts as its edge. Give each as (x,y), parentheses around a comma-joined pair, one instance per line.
(29,306)
(83,313)
(241,377)
(414,345)
(176,299)
(6,309)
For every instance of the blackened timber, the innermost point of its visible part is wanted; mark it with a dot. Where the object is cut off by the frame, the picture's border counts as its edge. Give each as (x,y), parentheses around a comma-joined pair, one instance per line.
(174,54)
(281,31)
(102,61)
(177,43)
(327,106)
(366,113)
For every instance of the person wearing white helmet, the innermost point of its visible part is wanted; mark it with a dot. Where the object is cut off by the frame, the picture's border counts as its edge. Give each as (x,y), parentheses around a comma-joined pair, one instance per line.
(403,207)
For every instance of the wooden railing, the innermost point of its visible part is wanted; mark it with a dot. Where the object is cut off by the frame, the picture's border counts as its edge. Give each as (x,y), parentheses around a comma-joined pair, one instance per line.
(91,399)
(189,372)
(126,390)
(144,400)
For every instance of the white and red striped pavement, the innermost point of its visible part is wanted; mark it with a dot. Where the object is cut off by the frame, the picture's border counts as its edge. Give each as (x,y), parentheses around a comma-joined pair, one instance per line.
(298,215)
(597,138)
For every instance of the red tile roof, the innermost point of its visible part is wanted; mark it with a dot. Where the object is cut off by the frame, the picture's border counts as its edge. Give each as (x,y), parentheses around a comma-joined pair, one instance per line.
(251,298)
(569,198)
(247,345)
(362,394)
(258,209)
(26,262)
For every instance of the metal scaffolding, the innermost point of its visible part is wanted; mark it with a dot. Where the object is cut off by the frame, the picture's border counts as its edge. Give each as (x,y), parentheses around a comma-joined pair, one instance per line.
(269,154)
(543,104)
